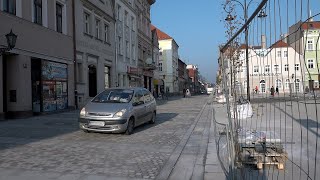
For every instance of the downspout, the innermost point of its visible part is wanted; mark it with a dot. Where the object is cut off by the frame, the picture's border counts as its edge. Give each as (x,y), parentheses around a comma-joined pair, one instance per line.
(115,43)
(74,55)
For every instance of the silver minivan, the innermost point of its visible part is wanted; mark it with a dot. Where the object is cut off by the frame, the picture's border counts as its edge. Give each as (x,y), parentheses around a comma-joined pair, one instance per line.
(118,110)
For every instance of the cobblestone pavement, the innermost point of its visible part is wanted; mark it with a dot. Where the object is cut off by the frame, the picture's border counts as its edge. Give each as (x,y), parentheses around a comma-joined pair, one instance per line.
(53,147)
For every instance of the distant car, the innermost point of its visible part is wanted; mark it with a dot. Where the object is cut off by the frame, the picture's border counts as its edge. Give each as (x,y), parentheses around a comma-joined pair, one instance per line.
(118,110)
(209,90)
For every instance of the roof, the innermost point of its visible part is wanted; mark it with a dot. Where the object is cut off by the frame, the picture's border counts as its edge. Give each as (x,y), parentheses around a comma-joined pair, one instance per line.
(311,25)
(243,46)
(279,44)
(161,35)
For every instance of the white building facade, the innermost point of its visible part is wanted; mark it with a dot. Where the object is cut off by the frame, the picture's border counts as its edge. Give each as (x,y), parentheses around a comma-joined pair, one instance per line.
(126,44)
(278,66)
(168,62)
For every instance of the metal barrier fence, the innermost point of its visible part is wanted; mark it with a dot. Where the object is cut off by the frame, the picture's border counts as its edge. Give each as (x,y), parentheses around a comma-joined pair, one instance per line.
(270,78)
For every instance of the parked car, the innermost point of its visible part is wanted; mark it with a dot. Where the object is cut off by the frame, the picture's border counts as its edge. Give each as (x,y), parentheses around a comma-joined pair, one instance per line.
(118,110)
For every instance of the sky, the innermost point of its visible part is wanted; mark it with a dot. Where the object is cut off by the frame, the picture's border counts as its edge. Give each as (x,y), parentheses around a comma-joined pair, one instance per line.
(197,27)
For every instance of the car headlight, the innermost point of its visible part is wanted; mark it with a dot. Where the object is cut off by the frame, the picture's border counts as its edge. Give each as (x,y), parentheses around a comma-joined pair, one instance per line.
(120,113)
(83,112)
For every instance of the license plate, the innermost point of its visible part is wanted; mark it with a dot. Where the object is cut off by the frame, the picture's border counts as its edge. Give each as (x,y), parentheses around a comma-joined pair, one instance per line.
(96,123)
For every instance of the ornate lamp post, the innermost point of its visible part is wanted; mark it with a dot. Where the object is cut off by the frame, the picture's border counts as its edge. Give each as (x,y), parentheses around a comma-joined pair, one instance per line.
(11,42)
(229,18)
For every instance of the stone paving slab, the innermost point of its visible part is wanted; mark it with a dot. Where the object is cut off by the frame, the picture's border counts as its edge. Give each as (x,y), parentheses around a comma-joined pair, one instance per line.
(53,147)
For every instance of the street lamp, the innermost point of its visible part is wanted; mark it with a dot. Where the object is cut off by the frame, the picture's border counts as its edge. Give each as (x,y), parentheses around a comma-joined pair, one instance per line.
(229,18)
(11,42)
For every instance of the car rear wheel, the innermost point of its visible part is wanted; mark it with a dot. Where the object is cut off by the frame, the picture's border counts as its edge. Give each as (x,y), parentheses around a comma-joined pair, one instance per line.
(130,127)
(153,118)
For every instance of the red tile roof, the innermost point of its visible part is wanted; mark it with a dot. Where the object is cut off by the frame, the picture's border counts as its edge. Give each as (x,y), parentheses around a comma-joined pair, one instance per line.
(161,35)
(279,44)
(311,25)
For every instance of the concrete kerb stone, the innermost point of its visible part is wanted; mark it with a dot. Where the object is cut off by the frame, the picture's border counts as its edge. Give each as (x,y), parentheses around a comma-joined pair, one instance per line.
(169,166)
(213,168)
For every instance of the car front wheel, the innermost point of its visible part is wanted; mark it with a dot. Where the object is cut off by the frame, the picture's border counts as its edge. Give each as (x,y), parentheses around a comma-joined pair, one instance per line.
(130,127)
(153,118)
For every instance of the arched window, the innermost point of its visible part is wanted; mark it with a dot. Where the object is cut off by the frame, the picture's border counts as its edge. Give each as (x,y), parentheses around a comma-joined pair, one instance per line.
(263,86)
(287,84)
(279,83)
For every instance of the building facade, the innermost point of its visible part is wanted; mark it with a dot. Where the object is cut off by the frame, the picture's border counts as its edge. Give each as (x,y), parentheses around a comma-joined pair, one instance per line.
(194,75)
(126,44)
(38,74)
(278,66)
(95,48)
(182,76)
(304,40)
(168,61)
(145,61)
(157,80)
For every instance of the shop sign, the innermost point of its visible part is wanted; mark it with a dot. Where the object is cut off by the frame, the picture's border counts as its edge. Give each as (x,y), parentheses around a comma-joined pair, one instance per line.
(133,70)
(54,71)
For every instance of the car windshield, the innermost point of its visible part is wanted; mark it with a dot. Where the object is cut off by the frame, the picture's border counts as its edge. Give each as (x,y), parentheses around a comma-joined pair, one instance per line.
(114,96)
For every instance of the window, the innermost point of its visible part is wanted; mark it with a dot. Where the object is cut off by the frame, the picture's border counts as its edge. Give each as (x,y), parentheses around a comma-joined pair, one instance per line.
(296,67)
(119,45)
(310,44)
(278,53)
(267,68)
(37,11)
(59,18)
(276,68)
(286,67)
(9,6)
(87,23)
(147,96)
(160,66)
(285,53)
(126,20)
(98,26)
(310,63)
(127,49)
(278,83)
(287,85)
(106,33)
(256,69)
(138,98)
(107,77)
(119,12)
(133,52)
(132,23)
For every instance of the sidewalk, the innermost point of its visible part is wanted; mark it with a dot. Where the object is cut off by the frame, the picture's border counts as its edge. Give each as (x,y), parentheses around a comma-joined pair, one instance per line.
(213,167)
(196,155)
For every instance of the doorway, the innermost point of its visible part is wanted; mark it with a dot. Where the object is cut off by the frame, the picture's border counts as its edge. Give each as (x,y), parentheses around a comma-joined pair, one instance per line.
(263,86)
(92,74)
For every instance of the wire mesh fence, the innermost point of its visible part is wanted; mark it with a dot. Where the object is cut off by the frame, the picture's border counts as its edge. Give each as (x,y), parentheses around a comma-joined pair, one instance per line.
(270,75)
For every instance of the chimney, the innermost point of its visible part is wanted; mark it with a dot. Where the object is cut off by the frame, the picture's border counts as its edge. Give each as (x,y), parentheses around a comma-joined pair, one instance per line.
(284,37)
(263,42)
(310,16)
